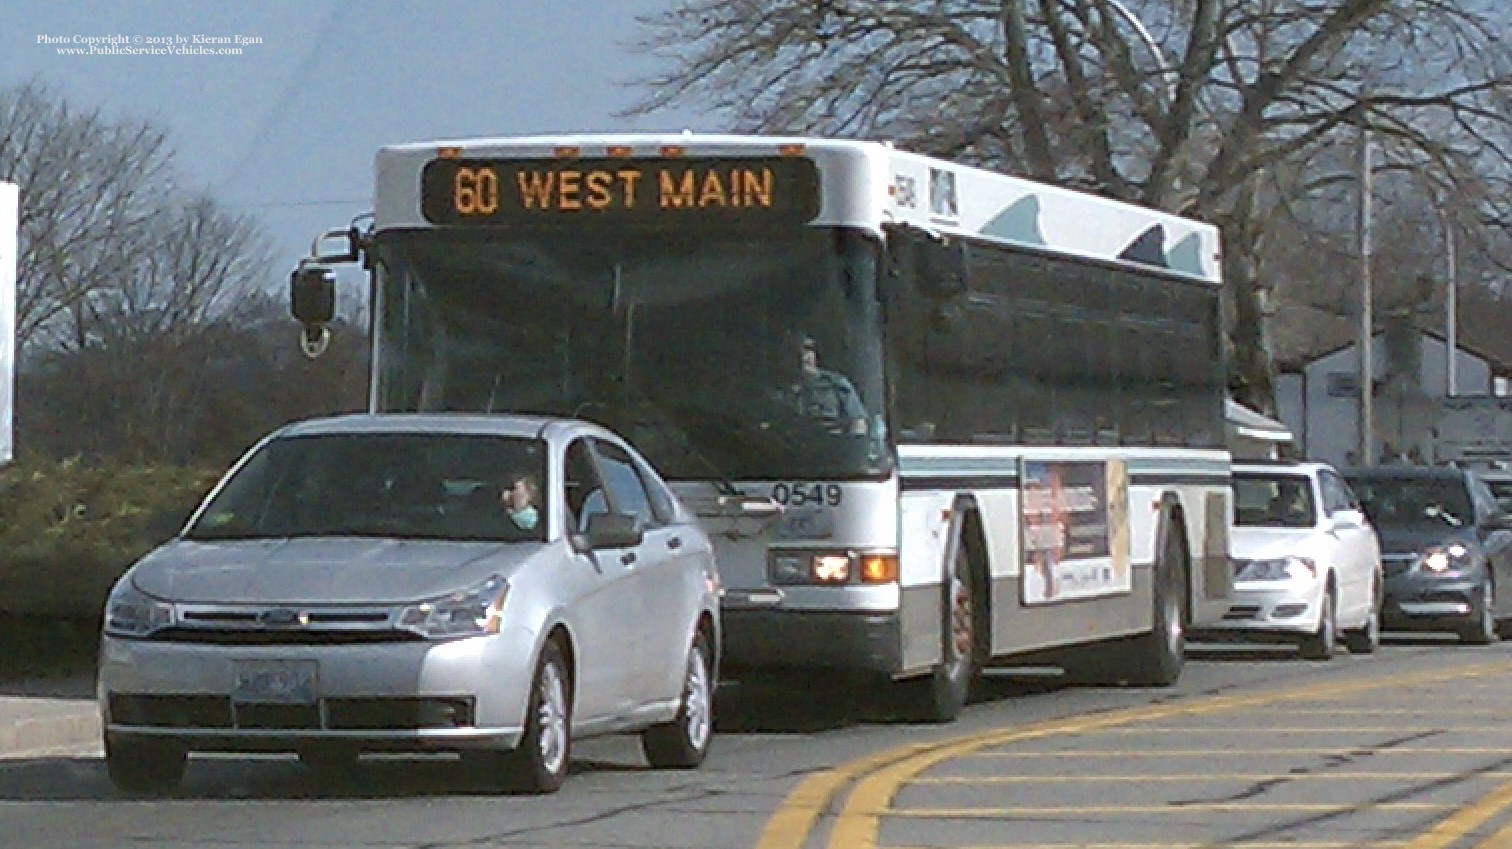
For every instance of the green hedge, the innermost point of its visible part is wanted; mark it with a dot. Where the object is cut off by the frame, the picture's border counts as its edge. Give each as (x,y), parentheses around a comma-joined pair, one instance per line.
(69,529)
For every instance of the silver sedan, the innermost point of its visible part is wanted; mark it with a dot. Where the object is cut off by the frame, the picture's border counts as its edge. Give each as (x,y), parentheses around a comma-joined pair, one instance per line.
(494,586)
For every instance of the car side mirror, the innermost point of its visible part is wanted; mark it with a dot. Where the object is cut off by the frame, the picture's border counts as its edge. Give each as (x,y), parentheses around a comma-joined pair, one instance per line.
(612,530)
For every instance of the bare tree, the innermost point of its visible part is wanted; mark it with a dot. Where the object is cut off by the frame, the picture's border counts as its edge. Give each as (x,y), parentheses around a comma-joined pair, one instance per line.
(89,187)
(144,309)
(1194,106)
(192,263)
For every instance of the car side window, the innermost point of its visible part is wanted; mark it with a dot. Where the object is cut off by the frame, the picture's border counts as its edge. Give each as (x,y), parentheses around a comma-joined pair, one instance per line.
(585,492)
(626,490)
(1336,495)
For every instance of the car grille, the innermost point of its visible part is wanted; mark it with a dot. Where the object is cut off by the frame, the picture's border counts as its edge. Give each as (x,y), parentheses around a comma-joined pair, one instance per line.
(282,638)
(401,713)
(283,625)
(1242,612)
(1396,564)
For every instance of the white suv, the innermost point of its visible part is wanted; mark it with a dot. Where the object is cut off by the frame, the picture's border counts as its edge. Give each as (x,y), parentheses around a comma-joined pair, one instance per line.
(1307,564)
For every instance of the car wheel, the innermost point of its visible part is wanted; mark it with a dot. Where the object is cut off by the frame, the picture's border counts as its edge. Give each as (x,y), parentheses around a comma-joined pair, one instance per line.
(1483,631)
(1320,644)
(539,763)
(144,765)
(684,742)
(1367,638)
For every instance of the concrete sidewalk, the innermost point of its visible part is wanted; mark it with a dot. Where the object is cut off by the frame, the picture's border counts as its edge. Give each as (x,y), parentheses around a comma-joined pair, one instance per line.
(48,716)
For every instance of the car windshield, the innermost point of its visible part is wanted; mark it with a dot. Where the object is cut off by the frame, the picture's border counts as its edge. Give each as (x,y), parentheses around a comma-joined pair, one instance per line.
(1414,501)
(403,485)
(1276,501)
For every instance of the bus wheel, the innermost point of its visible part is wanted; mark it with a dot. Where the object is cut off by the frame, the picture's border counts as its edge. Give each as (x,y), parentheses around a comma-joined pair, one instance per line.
(1155,659)
(940,696)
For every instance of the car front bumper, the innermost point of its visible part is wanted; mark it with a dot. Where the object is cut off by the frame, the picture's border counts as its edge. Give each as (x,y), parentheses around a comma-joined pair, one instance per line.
(396,696)
(1417,603)
(1258,608)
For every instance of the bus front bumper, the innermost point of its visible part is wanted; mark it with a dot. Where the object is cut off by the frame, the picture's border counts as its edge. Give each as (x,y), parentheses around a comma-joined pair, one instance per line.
(758,639)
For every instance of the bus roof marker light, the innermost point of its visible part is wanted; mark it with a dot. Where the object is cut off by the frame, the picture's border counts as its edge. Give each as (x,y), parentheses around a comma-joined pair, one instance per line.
(620,151)
(673,150)
(566,152)
(790,149)
(449,153)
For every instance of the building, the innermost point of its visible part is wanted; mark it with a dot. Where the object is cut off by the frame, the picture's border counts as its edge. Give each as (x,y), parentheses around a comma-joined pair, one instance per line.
(1320,401)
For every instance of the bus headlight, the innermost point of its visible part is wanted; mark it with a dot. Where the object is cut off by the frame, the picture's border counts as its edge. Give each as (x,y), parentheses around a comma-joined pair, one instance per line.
(831,568)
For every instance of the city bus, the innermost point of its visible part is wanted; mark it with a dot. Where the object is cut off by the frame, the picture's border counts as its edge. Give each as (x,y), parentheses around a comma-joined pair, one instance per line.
(938,419)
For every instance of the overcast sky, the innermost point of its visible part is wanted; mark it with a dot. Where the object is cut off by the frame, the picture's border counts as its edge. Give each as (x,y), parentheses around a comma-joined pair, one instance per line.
(287,130)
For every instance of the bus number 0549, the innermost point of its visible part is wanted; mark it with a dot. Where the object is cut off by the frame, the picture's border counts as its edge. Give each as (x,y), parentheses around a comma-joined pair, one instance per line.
(800,494)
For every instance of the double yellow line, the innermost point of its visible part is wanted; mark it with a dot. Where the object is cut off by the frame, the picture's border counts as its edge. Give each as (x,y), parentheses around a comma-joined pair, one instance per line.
(874,781)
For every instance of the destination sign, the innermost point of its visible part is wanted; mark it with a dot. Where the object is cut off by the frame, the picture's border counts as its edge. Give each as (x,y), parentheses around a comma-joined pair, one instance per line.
(768,190)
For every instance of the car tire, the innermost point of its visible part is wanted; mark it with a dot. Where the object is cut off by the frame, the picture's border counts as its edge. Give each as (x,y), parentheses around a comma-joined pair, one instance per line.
(1367,638)
(539,763)
(684,742)
(144,765)
(1483,631)
(1320,644)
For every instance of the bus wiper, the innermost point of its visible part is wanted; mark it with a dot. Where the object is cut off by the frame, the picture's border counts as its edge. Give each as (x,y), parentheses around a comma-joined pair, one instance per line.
(732,502)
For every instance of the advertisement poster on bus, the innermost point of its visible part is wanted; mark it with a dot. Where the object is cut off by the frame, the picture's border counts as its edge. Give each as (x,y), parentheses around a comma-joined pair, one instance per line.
(1075,530)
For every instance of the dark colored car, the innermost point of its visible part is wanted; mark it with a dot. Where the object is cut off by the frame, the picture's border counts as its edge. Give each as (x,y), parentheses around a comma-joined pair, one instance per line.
(1446,546)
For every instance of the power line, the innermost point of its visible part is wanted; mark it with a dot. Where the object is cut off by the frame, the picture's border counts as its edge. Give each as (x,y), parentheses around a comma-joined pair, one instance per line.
(293,203)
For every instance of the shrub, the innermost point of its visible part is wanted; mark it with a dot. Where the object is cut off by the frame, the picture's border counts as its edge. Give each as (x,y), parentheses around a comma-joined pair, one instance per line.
(69,529)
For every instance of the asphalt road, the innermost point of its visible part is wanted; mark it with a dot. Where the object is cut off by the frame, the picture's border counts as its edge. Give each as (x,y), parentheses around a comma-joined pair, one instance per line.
(1254,749)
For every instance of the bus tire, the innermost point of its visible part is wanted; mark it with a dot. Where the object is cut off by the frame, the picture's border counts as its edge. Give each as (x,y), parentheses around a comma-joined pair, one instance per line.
(939,696)
(1155,659)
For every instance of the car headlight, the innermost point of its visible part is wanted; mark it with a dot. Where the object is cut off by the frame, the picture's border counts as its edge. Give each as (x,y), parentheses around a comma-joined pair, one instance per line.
(1446,558)
(1276,569)
(467,613)
(129,612)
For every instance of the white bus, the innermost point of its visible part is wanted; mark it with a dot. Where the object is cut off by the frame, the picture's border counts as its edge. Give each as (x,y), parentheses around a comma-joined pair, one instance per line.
(1010,449)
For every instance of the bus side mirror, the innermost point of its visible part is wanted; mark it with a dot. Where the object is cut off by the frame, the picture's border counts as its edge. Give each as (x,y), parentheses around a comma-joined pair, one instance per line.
(312,295)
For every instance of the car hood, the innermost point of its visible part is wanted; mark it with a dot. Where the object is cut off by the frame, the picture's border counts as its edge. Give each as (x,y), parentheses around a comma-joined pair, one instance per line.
(322,571)
(1267,543)
(1411,539)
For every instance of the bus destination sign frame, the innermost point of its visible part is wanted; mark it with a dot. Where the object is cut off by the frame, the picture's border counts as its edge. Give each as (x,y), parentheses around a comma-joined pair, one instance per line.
(730,190)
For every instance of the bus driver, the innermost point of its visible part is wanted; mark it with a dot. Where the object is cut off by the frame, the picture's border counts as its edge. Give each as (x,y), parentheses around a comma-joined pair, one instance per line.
(824,394)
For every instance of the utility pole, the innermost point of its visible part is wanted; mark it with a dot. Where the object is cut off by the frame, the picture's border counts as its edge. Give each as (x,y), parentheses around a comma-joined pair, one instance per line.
(1365,346)
(1451,296)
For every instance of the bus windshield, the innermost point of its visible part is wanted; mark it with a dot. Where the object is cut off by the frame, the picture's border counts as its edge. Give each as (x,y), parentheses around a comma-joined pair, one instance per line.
(718,356)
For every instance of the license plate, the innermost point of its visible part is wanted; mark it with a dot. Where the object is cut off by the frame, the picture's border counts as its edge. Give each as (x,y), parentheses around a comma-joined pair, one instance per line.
(274,682)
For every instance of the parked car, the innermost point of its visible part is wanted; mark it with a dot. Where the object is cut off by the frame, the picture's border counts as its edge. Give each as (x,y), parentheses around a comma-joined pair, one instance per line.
(377,583)
(1307,565)
(1447,548)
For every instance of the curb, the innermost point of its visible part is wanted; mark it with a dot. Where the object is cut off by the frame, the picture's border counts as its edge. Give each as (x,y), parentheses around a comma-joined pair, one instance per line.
(76,727)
